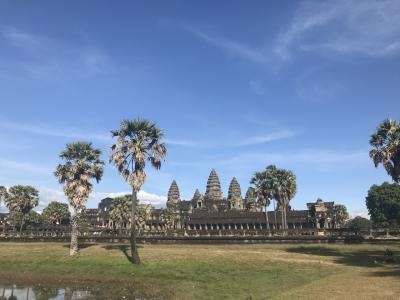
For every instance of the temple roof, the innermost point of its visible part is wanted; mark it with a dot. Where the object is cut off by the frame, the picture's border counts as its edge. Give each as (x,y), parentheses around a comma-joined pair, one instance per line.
(213,190)
(173,193)
(234,192)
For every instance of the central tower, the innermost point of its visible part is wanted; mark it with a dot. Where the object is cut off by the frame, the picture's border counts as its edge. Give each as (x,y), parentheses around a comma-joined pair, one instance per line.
(213,190)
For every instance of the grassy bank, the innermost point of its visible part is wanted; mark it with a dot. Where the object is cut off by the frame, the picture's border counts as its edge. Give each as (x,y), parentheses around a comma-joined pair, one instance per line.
(211,271)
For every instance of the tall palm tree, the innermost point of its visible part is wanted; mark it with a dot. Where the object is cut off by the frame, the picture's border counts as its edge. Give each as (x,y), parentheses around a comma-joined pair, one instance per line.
(263,191)
(285,190)
(82,163)
(386,147)
(138,141)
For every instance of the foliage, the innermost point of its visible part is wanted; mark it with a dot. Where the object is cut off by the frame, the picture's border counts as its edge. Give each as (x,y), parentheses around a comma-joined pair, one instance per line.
(263,188)
(21,198)
(55,212)
(168,216)
(279,184)
(138,141)
(120,210)
(383,203)
(359,224)
(82,163)
(386,148)
(340,214)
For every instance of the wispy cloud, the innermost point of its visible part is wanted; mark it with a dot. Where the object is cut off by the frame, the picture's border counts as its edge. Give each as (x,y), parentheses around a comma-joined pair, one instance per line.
(50,59)
(56,132)
(23,166)
(231,47)
(269,137)
(316,157)
(369,28)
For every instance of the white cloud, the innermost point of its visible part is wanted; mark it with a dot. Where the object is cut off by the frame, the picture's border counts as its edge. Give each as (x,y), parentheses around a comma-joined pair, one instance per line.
(369,28)
(359,212)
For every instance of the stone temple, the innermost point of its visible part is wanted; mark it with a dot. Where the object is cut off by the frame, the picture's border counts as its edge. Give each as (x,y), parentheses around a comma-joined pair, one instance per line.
(213,211)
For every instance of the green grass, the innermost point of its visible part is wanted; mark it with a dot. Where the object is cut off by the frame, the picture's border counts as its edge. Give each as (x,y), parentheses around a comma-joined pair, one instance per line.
(207,271)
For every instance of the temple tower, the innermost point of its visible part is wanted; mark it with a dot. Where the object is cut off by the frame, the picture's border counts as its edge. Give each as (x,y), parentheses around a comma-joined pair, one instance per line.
(173,194)
(235,195)
(213,190)
(198,200)
(250,199)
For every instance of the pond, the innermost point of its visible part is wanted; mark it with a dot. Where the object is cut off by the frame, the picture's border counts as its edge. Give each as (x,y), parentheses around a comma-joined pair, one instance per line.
(43,292)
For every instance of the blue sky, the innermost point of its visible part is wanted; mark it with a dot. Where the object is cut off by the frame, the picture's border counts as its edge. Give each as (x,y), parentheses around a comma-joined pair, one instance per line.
(236,86)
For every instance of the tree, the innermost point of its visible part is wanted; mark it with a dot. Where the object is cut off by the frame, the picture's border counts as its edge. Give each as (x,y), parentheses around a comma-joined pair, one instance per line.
(168,216)
(55,212)
(3,194)
(340,215)
(383,203)
(81,164)
(386,148)
(21,199)
(359,224)
(263,191)
(120,210)
(138,141)
(281,186)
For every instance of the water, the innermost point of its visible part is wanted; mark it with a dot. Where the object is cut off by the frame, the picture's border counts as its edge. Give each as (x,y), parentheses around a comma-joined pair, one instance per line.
(42,292)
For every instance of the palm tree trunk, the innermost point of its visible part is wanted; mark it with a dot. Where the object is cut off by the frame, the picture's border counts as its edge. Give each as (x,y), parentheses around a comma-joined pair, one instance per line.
(73,250)
(134,251)
(275,213)
(266,217)
(22,223)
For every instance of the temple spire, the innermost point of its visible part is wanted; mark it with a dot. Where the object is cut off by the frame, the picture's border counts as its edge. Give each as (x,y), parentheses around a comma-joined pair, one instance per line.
(173,194)
(213,190)
(235,194)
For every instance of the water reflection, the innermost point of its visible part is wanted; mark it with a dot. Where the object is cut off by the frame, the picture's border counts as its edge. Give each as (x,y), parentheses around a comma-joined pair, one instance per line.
(40,292)
(15,292)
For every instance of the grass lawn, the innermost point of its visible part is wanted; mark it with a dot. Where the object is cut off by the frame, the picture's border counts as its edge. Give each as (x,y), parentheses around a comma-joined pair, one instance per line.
(210,271)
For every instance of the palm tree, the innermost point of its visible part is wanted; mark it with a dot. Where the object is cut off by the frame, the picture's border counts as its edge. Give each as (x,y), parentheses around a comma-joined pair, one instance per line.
(285,190)
(20,199)
(120,210)
(386,148)
(138,141)
(82,163)
(55,212)
(263,192)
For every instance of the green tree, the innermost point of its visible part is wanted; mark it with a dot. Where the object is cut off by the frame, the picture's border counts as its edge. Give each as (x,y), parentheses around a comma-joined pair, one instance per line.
(383,203)
(82,163)
(55,212)
(120,210)
(138,141)
(386,148)
(359,224)
(21,199)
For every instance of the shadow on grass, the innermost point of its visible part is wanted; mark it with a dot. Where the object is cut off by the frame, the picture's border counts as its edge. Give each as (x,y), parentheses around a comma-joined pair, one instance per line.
(81,245)
(356,258)
(123,248)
